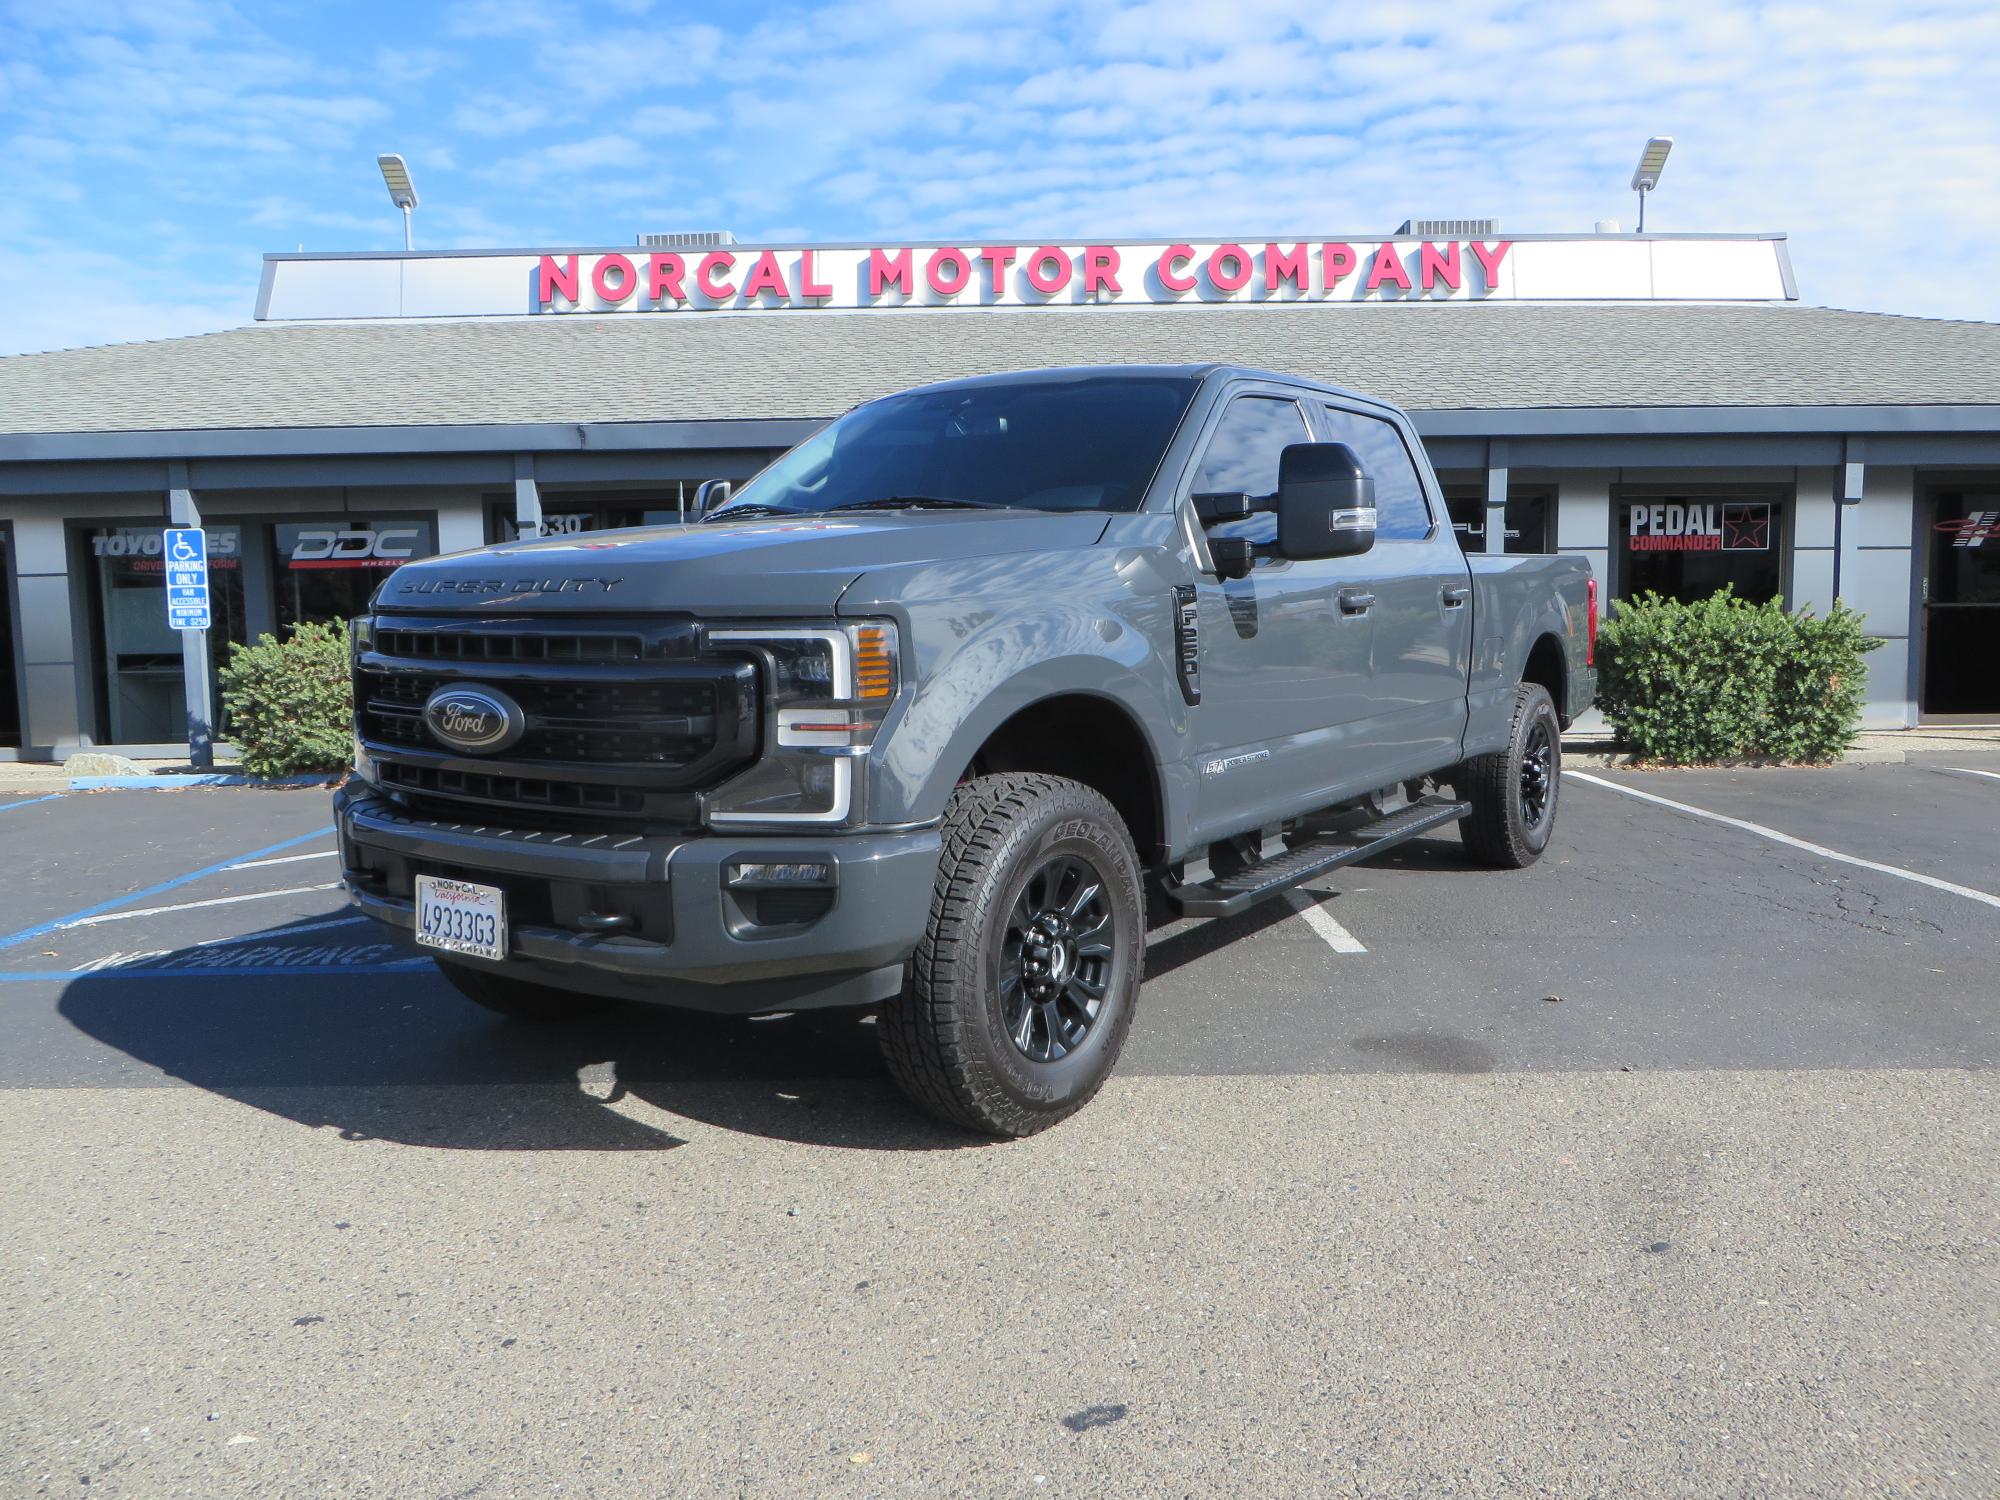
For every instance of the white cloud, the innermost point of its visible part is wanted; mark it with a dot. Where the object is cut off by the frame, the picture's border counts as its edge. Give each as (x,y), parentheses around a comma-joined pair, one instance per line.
(1864,131)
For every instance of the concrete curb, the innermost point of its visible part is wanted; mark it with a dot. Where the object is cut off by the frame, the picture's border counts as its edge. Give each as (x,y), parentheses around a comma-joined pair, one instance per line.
(174,782)
(1597,760)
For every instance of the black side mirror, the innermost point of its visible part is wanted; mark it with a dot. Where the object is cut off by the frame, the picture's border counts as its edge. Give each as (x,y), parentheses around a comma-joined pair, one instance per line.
(1326,502)
(709,494)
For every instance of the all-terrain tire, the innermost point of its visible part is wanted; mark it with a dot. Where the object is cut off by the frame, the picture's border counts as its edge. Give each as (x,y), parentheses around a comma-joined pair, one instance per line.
(963,1037)
(1514,792)
(521,1000)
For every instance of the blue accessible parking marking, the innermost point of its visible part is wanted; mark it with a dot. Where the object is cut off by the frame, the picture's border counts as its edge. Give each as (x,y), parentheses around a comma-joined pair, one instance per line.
(30,802)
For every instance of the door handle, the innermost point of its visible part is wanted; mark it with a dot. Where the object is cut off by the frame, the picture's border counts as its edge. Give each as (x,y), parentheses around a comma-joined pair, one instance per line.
(1355,601)
(1455,594)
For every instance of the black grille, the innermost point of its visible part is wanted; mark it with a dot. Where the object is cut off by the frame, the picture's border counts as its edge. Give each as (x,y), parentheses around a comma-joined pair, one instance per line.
(622,719)
(436,645)
(513,791)
(667,724)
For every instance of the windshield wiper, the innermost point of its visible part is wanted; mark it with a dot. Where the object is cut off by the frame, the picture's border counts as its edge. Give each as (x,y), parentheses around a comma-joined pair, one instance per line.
(749,508)
(920,502)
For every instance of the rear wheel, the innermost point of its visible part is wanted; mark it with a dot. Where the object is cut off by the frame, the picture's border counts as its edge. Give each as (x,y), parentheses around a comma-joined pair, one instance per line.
(1514,791)
(520,1000)
(1022,990)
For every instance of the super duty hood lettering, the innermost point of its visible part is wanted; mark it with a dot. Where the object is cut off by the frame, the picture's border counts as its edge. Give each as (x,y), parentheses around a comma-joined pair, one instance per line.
(486,587)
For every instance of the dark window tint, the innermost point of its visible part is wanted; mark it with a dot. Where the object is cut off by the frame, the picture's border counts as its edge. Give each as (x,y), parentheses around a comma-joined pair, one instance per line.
(1401,513)
(1059,444)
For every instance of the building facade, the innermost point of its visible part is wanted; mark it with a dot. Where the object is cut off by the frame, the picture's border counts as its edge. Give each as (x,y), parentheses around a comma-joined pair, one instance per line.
(1660,405)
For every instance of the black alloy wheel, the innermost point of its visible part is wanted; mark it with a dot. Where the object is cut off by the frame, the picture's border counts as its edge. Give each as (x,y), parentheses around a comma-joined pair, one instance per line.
(1022,990)
(1055,958)
(1538,774)
(1515,792)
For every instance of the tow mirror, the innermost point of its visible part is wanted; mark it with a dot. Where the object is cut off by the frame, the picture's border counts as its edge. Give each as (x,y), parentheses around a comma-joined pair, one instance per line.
(709,494)
(1326,502)
(1215,509)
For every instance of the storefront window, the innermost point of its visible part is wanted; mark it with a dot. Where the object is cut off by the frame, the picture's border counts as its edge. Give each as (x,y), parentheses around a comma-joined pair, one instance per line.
(1527,519)
(1688,548)
(326,570)
(567,515)
(142,697)
(1962,604)
(10,693)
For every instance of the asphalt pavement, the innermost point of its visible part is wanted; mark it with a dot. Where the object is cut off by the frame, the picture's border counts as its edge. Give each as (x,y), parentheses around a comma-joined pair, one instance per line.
(1666,1167)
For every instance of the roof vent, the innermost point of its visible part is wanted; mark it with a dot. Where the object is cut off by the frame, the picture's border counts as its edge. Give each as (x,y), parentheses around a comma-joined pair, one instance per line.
(1450,229)
(700,239)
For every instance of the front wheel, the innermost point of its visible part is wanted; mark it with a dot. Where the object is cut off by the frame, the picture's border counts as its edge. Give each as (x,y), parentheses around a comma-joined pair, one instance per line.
(1022,990)
(1513,792)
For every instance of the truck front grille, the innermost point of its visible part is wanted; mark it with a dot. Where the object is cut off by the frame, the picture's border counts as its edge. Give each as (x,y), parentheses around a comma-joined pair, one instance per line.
(627,719)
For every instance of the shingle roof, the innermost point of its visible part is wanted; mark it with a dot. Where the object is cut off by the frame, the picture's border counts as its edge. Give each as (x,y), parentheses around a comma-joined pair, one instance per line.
(616,369)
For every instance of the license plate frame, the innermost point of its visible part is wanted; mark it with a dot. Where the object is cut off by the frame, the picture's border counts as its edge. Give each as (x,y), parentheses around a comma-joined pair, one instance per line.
(457,916)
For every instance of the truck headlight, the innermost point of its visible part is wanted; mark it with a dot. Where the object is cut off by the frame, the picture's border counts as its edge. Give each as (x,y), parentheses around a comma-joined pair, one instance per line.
(829,687)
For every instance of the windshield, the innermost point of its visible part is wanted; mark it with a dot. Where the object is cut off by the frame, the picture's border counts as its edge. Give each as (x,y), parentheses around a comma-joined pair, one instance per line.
(1029,445)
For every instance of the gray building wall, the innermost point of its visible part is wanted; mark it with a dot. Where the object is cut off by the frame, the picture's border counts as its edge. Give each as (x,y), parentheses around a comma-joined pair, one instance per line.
(1882,555)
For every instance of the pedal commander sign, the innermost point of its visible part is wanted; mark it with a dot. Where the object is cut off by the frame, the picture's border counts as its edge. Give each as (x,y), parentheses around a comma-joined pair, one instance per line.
(1725,526)
(1324,269)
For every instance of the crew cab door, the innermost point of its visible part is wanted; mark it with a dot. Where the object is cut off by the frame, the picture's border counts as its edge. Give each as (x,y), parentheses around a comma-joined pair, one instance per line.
(1414,694)
(1284,664)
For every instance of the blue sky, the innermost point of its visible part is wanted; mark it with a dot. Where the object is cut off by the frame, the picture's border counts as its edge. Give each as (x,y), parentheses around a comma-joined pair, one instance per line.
(155,150)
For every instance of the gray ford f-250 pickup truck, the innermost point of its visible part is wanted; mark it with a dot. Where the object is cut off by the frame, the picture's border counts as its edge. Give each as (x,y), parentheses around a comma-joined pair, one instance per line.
(922,716)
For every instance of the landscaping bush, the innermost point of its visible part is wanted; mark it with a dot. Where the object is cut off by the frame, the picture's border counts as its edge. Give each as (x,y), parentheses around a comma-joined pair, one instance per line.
(1723,679)
(289,704)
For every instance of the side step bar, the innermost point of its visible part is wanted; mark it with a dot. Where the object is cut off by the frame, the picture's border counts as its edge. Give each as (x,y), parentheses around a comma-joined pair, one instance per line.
(1230,895)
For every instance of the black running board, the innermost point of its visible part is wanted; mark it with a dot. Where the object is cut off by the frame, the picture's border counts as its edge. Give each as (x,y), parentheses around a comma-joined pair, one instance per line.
(1231,895)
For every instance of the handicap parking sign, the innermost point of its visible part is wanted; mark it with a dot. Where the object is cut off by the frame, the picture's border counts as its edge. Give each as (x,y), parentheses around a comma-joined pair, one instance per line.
(185,554)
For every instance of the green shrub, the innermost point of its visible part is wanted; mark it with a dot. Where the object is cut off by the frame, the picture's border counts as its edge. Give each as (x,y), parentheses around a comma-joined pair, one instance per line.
(1723,679)
(289,704)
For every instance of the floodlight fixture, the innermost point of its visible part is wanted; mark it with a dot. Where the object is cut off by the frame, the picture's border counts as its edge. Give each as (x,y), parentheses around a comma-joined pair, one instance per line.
(1646,176)
(402,192)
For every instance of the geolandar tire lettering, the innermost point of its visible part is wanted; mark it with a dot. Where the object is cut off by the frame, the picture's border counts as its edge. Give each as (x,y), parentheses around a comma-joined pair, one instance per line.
(1023,988)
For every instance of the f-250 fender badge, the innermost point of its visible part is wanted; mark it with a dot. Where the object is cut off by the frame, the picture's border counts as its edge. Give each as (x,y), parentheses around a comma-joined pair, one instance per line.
(1187,641)
(1223,764)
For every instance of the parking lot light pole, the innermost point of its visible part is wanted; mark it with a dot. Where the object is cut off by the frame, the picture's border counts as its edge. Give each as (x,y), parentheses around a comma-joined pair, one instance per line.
(1647,176)
(402,192)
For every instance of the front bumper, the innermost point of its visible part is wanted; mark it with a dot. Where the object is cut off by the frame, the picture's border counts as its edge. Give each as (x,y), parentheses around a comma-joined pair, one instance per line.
(651,917)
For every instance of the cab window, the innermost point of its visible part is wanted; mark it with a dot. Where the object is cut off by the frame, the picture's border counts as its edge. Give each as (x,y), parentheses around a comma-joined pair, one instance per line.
(1242,458)
(1401,511)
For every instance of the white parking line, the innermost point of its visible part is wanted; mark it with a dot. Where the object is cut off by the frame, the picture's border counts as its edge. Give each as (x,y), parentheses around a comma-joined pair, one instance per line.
(283,859)
(154,911)
(1968,771)
(1321,921)
(1985,897)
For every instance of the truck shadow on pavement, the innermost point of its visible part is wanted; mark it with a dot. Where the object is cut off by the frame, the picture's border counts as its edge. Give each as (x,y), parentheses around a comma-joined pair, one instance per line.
(398,1056)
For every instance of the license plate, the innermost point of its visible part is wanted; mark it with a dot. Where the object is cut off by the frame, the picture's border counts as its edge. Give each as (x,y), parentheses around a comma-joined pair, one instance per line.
(461,918)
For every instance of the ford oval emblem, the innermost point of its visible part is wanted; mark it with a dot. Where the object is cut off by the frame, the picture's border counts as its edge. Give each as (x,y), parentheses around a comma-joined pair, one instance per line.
(473,720)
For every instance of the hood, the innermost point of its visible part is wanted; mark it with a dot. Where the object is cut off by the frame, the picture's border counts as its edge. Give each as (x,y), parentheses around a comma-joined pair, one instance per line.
(757,566)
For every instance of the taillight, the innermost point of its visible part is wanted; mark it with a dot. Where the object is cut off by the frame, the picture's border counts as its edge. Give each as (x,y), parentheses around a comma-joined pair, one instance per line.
(1590,623)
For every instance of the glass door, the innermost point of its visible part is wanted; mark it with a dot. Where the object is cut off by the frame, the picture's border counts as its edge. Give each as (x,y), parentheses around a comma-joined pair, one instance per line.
(10,691)
(1962,605)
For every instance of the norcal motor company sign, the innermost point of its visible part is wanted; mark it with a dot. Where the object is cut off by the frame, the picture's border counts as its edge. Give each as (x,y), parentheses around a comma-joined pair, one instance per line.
(1016,275)
(1327,270)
